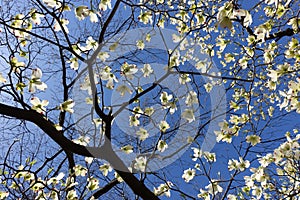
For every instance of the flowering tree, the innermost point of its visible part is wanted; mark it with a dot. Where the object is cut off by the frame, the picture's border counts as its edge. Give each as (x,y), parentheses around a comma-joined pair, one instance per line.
(149,99)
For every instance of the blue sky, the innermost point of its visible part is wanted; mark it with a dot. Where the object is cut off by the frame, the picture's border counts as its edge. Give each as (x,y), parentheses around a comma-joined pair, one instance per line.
(276,129)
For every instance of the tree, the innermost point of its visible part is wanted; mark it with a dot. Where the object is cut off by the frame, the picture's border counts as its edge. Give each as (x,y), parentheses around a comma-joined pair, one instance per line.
(149,99)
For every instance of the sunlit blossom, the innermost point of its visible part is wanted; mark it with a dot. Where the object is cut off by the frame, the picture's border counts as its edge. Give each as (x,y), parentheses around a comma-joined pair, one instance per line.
(38,105)
(163,189)
(188,114)
(127,149)
(103,56)
(105,168)
(164,126)
(80,170)
(35,81)
(253,139)
(162,146)
(55,180)
(36,17)
(61,25)
(145,17)
(143,134)
(67,106)
(82,12)
(2,79)
(147,70)
(140,163)
(134,121)
(93,183)
(188,174)
(104,5)
(123,89)
(214,188)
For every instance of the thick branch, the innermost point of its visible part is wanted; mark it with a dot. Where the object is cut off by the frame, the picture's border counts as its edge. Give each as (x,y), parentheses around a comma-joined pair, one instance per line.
(137,186)
(106,188)
(48,127)
(280,34)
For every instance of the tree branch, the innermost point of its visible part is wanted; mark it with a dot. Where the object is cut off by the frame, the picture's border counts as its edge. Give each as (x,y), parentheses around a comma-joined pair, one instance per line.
(277,36)
(49,128)
(105,189)
(104,152)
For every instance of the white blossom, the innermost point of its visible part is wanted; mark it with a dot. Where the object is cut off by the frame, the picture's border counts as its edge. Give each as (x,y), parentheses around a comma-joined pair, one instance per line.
(104,4)
(163,126)
(82,12)
(163,189)
(36,17)
(197,153)
(105,168)
(52,3)
(2,79)
(128,70)
(82,140)
(123,89)
(39,105)
(35,81)
(55,180)
(140,163)
(93,17)
(145,17)
(140,44)
(143,134)
(62,24)
(134,121)
(127,149)
(89,160)
(103,56)
(188,174)
(214,188)
(93,183)
(253,139)
(188,114)
(147,70)
(191,98)
(247,18)
(67,106)
(162,146)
